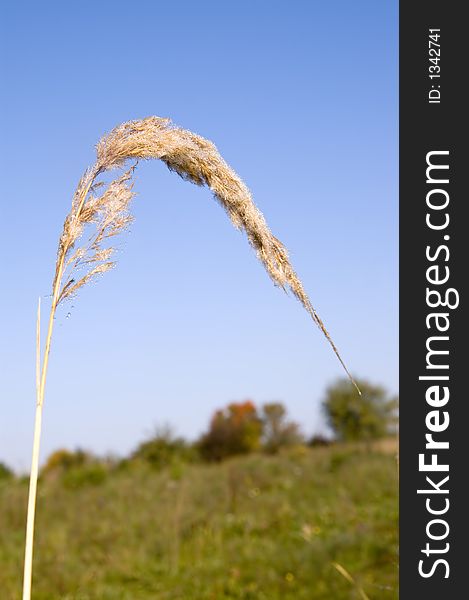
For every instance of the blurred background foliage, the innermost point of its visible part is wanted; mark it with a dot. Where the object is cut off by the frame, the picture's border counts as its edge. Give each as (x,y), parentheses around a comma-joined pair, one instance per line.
(251,509)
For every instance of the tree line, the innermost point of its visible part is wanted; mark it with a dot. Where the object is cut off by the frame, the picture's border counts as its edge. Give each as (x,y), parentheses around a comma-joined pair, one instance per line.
(242,427)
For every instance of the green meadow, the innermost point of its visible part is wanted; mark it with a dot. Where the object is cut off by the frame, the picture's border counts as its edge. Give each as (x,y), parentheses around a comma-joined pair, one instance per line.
(307,523)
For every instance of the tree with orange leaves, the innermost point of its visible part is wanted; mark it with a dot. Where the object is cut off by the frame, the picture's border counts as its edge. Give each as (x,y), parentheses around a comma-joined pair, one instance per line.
(236,429)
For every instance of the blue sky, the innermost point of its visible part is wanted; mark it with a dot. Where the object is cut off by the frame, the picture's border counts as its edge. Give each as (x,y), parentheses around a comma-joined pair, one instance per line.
(301,99)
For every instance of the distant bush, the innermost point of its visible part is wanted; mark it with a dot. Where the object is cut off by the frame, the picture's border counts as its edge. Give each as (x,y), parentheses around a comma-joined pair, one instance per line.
(87,475)
(163,448)
(318,440)
(5,472)
(63,460)
(76,468)
(236,429)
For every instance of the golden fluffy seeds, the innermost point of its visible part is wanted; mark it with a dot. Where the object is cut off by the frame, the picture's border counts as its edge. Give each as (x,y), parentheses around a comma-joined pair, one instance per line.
(194,159)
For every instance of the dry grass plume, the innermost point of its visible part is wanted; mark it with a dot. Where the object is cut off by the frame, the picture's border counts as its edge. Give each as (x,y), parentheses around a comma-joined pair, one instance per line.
(100,211)
(196,160)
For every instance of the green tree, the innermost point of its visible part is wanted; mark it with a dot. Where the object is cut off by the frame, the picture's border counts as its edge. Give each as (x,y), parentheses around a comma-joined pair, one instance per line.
(353,417)
(163,448)
(278,432)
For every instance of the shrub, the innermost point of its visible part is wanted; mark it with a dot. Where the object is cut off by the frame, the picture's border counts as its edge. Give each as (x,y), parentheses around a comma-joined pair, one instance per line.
(64,460)
(87,475)
(5,472)
(164,448)
(318,440)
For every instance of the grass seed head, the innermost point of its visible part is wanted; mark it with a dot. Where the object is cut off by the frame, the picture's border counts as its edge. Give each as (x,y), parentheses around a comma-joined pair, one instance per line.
(193,158)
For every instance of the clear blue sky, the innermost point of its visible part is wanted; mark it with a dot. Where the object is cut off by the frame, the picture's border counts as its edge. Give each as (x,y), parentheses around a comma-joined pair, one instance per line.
(301,99)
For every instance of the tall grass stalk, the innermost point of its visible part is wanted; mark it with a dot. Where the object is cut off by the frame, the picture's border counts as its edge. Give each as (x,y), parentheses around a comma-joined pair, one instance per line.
(343,571)
(28,560)
(100,211)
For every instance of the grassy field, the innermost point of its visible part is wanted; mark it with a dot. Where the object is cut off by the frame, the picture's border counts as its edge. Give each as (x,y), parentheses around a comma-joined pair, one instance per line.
(260,527)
